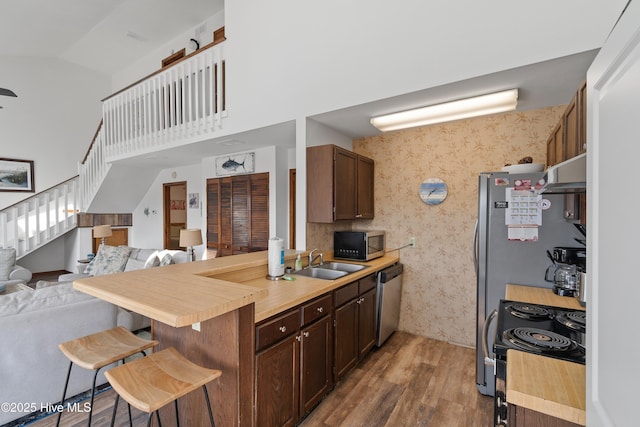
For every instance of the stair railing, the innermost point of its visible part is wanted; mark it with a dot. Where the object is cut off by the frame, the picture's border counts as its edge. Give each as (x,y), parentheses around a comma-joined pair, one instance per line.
(41,218)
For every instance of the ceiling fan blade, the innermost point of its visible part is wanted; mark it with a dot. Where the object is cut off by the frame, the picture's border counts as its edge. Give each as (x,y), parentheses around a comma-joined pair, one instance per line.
(7,92)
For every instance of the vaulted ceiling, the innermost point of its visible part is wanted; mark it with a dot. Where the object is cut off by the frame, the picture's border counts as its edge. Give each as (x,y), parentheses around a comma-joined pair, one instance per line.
(102,35)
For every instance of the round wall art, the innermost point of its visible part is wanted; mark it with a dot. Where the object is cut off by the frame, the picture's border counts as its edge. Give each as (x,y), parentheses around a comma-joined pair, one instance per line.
(433,191)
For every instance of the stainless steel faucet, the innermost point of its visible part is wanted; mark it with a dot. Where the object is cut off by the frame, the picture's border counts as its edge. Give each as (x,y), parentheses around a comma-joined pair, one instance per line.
(312,258)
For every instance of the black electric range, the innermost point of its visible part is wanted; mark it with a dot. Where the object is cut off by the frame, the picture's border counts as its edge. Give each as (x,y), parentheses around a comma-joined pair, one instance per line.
(548,331)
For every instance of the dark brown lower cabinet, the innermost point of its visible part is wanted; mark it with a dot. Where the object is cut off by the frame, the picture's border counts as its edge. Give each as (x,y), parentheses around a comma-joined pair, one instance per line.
(293,363)
(524,417)
(354,323)
(277,384)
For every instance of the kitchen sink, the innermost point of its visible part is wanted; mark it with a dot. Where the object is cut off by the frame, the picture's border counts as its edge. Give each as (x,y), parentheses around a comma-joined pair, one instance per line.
(342,266)
(330,270)
(321,273)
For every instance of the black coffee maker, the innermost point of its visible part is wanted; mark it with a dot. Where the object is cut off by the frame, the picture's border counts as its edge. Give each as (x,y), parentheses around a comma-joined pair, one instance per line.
(568,263)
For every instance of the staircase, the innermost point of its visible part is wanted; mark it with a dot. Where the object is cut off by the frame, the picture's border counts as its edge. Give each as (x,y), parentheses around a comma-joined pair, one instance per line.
(34,222)
(181,104)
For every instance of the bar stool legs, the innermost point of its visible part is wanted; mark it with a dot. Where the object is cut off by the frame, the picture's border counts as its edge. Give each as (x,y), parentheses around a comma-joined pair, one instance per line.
(163,377)
(98,350)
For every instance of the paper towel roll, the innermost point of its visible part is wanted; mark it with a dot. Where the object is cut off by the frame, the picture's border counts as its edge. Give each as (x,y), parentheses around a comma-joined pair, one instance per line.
(276,257)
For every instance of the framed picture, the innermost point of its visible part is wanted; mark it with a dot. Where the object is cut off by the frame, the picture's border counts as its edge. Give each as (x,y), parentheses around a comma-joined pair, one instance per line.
(235,164)
(194,200)
(16,175)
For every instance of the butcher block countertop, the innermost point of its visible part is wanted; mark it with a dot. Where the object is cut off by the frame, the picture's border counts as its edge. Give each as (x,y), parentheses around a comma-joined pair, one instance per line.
(542,296)
(551,386)
(183,294)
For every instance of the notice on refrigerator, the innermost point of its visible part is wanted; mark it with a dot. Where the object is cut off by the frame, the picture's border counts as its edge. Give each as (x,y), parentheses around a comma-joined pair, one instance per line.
(522,234)
(524,207)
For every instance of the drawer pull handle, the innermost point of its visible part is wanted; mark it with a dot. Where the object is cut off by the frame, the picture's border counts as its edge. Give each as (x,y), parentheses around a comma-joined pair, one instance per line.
(320,309)
(283,329)
(306,334)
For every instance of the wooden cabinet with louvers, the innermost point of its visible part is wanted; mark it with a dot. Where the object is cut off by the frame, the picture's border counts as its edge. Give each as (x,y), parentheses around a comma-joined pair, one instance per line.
(238,214)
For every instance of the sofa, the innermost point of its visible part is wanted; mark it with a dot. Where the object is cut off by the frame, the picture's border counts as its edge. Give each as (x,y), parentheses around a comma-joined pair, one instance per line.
(10,273)
(32,324)
(116,259)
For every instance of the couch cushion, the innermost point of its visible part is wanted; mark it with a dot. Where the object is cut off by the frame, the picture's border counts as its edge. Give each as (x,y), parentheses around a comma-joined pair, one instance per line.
(134,264)
(108,260)
(40,299)
(7,261)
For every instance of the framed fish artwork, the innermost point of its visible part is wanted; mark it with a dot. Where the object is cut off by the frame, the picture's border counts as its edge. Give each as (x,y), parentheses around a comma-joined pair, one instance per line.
(235,164)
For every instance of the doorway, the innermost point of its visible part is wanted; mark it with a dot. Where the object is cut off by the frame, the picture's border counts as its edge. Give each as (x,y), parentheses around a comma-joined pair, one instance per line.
(174,201)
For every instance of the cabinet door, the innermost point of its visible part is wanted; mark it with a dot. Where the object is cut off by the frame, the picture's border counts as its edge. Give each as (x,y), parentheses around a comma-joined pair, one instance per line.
(571,122)
(582,118)
(366,322)
(365,188)
(239,214)
(315,363)
(277,374)
(345,338)
(558,134)
(344,185)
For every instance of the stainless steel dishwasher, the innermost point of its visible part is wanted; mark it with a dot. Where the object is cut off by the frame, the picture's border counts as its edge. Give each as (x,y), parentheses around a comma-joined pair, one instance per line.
(388,301)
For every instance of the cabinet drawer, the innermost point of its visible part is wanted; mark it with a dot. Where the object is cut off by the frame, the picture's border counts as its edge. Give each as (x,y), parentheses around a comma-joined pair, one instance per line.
(366,284)
(316,309)
(345,294)
(276,329)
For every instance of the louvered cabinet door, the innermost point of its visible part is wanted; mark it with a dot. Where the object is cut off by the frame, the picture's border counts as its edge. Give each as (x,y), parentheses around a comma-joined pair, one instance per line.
(238,214)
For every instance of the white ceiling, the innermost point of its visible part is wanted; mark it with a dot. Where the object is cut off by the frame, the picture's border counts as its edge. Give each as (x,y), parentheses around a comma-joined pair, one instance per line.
(97,34)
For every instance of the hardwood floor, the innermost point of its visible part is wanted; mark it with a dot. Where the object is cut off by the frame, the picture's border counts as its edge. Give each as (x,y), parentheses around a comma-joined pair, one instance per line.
(410,381)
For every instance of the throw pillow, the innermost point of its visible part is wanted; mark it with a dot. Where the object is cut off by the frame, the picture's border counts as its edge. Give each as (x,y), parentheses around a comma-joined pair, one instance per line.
(134,264)
(153,261)
(108,260)
(166,260)
(7,261)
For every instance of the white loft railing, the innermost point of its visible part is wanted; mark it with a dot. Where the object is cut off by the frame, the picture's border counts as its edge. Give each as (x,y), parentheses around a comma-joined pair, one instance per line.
(33,222)
(180,103)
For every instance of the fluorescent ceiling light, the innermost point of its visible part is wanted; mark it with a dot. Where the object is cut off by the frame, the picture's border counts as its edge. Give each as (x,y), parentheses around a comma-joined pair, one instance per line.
(455,110)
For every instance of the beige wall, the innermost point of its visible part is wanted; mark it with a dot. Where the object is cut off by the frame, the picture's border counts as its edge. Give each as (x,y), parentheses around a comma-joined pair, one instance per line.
(439,297)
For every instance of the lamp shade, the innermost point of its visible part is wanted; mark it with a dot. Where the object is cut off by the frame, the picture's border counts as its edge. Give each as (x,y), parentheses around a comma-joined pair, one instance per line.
(190,237)
(102,231)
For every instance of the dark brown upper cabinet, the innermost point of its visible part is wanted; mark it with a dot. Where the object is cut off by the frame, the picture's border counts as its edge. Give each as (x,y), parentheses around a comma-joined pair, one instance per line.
(339,185)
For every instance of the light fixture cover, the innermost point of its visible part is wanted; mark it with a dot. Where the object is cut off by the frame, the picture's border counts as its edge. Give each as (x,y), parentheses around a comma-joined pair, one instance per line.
(492,103)
(102,231)
(190,237)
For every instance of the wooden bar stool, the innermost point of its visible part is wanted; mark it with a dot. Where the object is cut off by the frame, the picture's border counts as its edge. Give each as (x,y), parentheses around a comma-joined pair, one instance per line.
(98,350)
(159,379)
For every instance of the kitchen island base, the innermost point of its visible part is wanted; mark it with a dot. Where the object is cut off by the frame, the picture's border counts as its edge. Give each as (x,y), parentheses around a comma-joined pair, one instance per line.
(226,343)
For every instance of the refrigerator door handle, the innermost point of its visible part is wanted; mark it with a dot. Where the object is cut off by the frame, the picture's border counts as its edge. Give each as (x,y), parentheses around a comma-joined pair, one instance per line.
(488,361)
(475,248)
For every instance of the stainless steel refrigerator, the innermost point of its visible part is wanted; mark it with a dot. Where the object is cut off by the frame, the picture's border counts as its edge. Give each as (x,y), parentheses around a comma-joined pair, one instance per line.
(499,261)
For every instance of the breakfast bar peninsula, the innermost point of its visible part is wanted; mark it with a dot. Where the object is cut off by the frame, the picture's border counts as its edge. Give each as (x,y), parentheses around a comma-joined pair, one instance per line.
(208,310)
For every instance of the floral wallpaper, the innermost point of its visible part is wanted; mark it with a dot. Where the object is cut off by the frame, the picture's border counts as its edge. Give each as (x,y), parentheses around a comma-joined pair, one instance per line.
(439,290)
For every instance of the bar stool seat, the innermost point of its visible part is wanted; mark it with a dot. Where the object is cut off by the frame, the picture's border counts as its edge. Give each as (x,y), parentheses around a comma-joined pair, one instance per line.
(101,349)
(159,379)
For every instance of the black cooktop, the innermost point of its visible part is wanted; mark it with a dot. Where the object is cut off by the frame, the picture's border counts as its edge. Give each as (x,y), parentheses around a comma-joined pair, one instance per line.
(548,331)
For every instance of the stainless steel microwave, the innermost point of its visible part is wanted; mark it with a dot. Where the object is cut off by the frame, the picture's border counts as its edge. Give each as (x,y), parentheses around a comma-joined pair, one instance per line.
(358,245)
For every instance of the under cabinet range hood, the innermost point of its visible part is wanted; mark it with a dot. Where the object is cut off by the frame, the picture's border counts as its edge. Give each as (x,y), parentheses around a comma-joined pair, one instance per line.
(569,176)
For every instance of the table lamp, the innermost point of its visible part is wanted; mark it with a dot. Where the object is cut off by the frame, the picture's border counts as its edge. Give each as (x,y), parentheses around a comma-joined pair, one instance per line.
(189,238)
(102,231)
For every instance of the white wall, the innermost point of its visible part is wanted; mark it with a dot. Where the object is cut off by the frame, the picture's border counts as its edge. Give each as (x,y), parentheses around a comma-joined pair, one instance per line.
(51,121)
(147,230)
(292,59)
